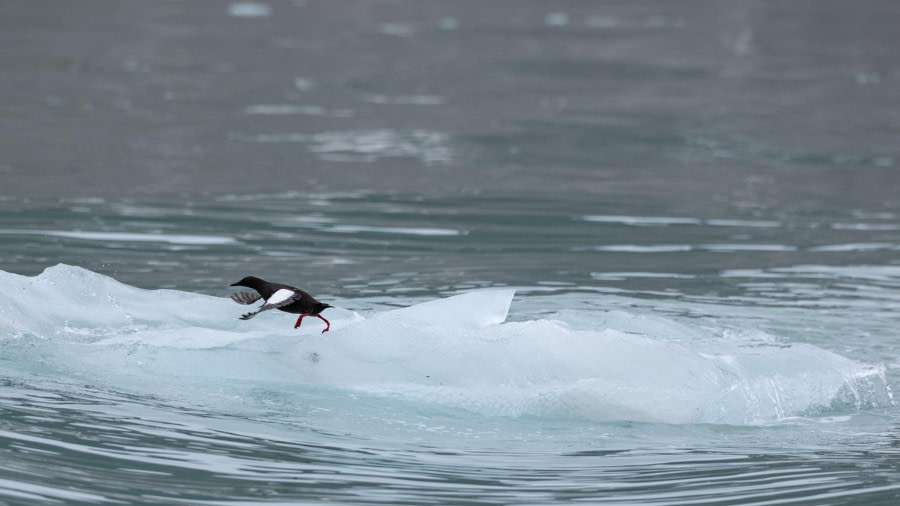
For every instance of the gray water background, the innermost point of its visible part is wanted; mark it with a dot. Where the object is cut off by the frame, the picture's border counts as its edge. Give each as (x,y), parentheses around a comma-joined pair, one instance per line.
(735,160)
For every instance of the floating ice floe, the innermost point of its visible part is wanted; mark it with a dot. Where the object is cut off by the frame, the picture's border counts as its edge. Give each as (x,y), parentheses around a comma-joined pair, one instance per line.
(458,352)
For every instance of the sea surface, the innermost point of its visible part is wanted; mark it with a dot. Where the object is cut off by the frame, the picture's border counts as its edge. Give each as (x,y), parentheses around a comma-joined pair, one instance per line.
(579,252)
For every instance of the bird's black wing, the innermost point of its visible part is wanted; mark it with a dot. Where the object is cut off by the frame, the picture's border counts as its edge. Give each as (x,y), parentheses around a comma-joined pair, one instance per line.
(245,297)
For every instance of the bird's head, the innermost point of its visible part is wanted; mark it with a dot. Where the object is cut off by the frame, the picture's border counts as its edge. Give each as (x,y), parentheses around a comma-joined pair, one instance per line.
(249,282)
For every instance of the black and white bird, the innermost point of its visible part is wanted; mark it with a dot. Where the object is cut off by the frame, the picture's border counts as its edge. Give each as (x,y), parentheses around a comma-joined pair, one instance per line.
(279,296)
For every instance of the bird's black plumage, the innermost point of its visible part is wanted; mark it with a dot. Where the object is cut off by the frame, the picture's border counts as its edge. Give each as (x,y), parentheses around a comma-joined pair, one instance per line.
(279,296)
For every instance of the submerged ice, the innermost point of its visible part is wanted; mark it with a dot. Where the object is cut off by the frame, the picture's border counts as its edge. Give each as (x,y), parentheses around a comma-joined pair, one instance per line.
(459,352)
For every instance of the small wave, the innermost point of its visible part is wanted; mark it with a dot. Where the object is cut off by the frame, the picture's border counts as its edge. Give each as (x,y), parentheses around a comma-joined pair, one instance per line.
(290,109)
(432,147)
(193,240)
(425,231)
(249,10)
(664,221)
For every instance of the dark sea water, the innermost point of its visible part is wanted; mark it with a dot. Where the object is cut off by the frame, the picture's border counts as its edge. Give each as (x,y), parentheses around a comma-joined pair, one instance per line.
(580,252)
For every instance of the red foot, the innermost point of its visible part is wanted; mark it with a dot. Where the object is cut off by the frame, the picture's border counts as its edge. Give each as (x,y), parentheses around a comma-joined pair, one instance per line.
(328,323)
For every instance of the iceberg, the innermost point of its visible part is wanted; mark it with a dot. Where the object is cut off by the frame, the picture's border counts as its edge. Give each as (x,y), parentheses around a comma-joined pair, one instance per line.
(458,352)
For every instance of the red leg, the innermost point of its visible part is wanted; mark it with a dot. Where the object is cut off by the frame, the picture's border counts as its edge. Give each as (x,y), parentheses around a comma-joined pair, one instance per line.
(326,321)
(296,325)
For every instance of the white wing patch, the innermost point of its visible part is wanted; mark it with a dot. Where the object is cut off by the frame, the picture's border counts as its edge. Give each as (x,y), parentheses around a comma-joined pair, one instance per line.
(279,296)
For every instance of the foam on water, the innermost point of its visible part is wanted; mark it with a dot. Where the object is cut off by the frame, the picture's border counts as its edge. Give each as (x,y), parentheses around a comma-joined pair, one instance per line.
(458,352)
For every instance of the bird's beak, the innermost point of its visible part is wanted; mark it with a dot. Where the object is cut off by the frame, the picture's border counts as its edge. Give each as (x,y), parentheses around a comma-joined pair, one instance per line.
(236,284)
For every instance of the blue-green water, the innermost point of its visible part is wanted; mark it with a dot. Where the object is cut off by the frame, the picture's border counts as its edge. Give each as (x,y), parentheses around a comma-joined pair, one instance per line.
(628,253)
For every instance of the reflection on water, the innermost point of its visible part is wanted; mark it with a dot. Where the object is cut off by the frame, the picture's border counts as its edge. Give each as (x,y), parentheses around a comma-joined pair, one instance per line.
(286,109)
(367,146)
